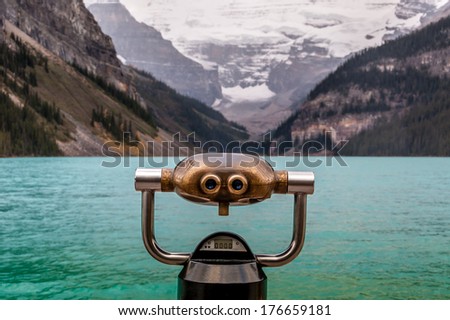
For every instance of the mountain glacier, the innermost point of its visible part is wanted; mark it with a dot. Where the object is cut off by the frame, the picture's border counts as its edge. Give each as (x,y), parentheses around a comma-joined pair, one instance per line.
(271,53)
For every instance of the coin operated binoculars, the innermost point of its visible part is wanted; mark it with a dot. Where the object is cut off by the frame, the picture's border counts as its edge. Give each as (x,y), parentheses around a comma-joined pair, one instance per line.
(223,266)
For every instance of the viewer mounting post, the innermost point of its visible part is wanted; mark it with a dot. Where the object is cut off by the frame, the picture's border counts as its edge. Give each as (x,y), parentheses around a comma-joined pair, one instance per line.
(223,265)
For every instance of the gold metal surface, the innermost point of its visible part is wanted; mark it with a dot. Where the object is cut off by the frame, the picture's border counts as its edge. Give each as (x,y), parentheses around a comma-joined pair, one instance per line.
(258,178)
(167,180)
(282,182)
(224,209)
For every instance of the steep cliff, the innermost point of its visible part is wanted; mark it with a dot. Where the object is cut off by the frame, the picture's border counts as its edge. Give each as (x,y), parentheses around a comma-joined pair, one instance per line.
(2,18)
(69,30)
(143,47)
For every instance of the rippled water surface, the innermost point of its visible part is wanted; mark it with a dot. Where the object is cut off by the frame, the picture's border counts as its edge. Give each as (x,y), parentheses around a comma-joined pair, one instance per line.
(377,229)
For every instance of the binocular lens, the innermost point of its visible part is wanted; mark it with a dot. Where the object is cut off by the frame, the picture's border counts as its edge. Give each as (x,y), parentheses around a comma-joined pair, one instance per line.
(237,185)
(210,184)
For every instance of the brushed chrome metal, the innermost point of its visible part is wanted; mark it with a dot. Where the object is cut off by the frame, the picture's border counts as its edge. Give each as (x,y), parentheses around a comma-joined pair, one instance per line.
(148,233)
(300,182)
(148,179)
(298,237)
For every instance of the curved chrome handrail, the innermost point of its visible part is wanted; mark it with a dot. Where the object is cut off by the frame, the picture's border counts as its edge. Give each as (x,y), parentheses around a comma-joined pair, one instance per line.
(148,181)
(298,237)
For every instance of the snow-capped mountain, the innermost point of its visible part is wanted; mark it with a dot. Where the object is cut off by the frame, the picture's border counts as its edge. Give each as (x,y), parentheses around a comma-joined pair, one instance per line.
(143,47)
(270,53)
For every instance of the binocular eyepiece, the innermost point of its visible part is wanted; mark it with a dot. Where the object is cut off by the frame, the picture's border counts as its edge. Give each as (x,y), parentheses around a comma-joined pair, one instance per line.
(236,184)
(224,180)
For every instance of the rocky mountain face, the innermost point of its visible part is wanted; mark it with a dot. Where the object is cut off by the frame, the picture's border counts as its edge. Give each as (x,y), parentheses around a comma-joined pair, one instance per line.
(143,47)
(272,53)
(63,91)
(67,29)
(407,9)
(2,18)
(443,12)
(390,100)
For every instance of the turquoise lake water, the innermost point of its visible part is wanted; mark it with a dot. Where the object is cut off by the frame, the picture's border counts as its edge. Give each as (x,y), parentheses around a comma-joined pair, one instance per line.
(377,229)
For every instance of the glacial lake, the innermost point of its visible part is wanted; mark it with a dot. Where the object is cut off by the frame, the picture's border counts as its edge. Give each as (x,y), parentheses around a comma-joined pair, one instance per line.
(378,228)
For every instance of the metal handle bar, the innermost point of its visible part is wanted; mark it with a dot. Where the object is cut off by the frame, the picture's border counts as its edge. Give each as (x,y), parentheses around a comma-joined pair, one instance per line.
(148,181)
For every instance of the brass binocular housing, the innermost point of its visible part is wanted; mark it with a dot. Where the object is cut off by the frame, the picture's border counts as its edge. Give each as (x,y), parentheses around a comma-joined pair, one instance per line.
(226,179)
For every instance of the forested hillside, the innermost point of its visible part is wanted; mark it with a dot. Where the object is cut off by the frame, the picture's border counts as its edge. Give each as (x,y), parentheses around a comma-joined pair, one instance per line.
(64,92)
(389,100)
(31,128)
(43,100)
